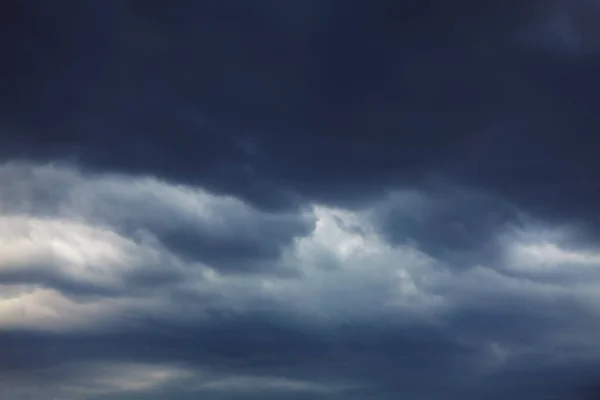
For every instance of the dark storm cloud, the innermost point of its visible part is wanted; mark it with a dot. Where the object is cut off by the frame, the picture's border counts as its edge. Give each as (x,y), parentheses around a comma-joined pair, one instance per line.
(410,357)
(338,101)
(275,106)
(244,246)
(390,357)
(457,226)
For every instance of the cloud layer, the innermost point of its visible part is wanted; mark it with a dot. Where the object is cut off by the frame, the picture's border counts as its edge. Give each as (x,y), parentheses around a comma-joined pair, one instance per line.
(304,199)
(92,285)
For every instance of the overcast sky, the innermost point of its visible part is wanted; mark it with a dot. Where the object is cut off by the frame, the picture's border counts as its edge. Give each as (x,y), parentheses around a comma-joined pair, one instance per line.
(299,199)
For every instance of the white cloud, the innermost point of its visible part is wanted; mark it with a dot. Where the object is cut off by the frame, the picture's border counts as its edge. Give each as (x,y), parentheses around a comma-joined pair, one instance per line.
(71,248)
(550,255)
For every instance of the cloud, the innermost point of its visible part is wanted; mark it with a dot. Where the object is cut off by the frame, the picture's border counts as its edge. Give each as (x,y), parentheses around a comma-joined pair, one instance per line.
(152,91)
(456,225)
(220,230)
(76,257)
(94,291)
(326,199)
(567,28)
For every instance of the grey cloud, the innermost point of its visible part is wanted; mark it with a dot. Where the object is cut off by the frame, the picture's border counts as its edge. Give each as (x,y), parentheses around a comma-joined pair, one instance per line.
(567,28)
(385,319)
(378,359)
(187,145)
(148,277)
(459,226)
(388,356)
(488,325)
(221,231)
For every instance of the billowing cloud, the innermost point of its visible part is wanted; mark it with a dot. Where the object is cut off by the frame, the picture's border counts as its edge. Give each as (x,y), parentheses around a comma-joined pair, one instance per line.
(320,199)
(221,230)
(91,287)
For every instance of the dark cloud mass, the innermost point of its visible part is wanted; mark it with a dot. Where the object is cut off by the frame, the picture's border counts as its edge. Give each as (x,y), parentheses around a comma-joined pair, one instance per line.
(324,199)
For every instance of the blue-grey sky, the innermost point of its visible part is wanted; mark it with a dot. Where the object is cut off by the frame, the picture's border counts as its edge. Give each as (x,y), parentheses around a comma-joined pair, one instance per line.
(299,199)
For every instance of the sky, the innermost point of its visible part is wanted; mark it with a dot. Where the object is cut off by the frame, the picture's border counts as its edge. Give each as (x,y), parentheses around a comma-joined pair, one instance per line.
(299,199)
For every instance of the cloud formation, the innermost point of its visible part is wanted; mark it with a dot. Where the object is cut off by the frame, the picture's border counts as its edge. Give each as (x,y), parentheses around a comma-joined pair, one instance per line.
(91,287)
(309,199)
